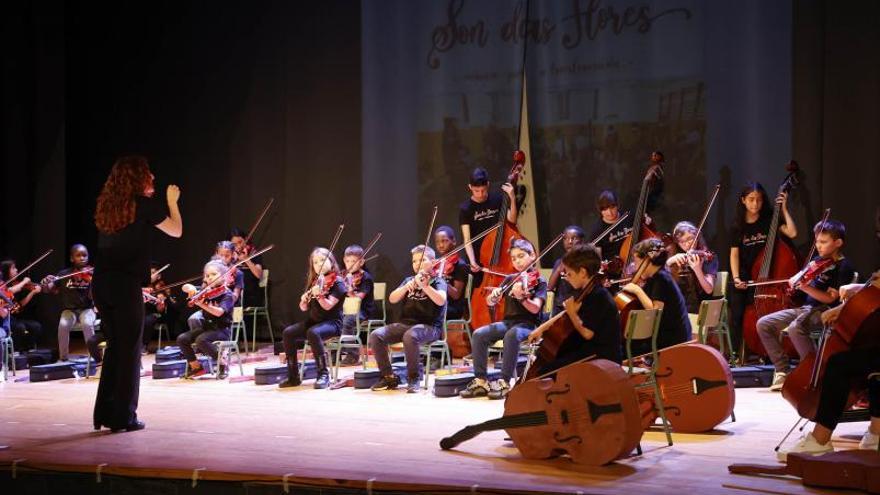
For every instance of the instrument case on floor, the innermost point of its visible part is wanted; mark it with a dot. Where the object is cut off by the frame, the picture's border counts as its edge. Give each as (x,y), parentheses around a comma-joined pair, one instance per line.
(169,353)
(53,371)
(752,376)
(369,377)
(451,385)
(37,357)
(270,374)
(177,368)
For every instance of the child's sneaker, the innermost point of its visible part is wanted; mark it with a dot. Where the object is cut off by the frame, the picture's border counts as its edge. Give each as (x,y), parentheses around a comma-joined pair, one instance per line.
(806,445)
(869,441)
(778,381)
(387,383)
(478,387)
(499,389)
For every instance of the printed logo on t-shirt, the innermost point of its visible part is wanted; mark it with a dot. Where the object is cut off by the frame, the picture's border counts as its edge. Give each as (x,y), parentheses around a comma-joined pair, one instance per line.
(755,239)
(616,236)
(77,283)
(484,214)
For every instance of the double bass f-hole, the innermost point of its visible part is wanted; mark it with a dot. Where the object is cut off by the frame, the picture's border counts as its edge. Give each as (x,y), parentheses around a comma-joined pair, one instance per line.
(550,394)
(573,438)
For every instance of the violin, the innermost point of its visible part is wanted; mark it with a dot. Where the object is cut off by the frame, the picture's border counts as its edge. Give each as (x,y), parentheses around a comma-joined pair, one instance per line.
(203,295)
(324,282)
(528,280)
(353,281)
(7,300)
(446,265)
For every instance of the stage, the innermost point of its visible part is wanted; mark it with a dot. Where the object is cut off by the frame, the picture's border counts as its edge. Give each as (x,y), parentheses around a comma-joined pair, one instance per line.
(360,441)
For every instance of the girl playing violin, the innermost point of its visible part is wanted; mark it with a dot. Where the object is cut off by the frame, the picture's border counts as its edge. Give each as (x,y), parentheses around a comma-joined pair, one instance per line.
(421,320)
(821,293)
(322,303)
(76,298)
(747,240)
(659,291)
(156,306)
(25,332)
(358,283)
(692,266)
(215,323)
(252,269)
(522,312)
(454,272)
(225,252)
(574,235)
(595,317)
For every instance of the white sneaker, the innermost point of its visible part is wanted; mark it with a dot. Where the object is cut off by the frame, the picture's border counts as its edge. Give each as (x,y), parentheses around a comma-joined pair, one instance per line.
(806,445)
(869,441)
(778,381)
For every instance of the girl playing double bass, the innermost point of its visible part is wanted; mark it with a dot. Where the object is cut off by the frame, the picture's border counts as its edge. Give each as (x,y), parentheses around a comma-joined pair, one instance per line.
(747,240)
(322,303)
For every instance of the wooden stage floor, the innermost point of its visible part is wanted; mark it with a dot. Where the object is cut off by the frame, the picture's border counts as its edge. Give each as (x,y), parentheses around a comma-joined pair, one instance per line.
(365,440)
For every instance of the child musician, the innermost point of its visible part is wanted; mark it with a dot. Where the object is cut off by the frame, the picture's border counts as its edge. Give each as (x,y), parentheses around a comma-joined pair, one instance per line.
(747,240)
(821,292)
(322,303)
(225,252)
(455,273)
(252,269)
(216,308)
(609,213)
(156,307)
(692,266)
(659,292)
(421,320)
(522,311)
(76,298)
(595,318)
(26,332)
(359,284)
(573,236)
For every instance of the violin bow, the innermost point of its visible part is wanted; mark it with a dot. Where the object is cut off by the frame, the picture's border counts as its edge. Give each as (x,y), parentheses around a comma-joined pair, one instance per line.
(609,229)
(706,214)
(428,237)
(85,270)
(369,247)
(212,284)
(330,249)
(816,236)
(160,270)
(458,249)
(259,219)
(186,281)
(31,265)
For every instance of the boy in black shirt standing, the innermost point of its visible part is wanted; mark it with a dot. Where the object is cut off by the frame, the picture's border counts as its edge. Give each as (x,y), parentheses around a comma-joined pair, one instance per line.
(595,317)
(660,292)
(76,299)
(522,310)
(421,322)
(480,212)
(820,293)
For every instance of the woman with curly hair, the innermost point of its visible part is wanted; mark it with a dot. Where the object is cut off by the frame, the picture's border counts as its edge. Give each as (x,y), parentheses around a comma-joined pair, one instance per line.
(125,214)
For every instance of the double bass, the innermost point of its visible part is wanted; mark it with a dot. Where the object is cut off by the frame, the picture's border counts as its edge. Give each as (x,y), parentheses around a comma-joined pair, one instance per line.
(858,325)
(641,229)
(778,260)
(587,410)
(494,253)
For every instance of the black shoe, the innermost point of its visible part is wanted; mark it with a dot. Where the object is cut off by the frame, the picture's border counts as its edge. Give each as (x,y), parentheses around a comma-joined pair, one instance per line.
(223,372)
(390,382)
(288,383)
(137,425)
(323,381)
(293,379)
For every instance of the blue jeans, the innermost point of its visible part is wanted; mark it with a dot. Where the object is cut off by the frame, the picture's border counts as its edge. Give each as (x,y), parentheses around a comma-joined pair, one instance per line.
(412,336)
(513,334)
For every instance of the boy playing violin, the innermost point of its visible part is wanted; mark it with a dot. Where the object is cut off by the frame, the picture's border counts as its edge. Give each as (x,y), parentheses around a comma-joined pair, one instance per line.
(322,303)
(595,317)
(216,308)
(827,271)
(76,298)
(455,273)
(421,321)
(359,284)
(523,302)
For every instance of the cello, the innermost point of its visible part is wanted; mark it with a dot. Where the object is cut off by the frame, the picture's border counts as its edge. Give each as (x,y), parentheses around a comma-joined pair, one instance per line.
(494,253)
(778,260)
(587,410)
(858,325)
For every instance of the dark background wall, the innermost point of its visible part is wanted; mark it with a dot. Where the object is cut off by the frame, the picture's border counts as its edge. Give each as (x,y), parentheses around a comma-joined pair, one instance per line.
(237,102)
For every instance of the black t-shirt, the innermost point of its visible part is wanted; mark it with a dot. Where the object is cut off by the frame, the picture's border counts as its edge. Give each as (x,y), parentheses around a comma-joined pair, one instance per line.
(675,324)
(610,244)
(317,313)
(515,312)
(366,288)
(840,273)
(226,301)
(457,308)
(750,239)
(75,292)
(418,308)
(598,313)
(480,216)
(128,251)
(690,288)
(253,293)
(563,289)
